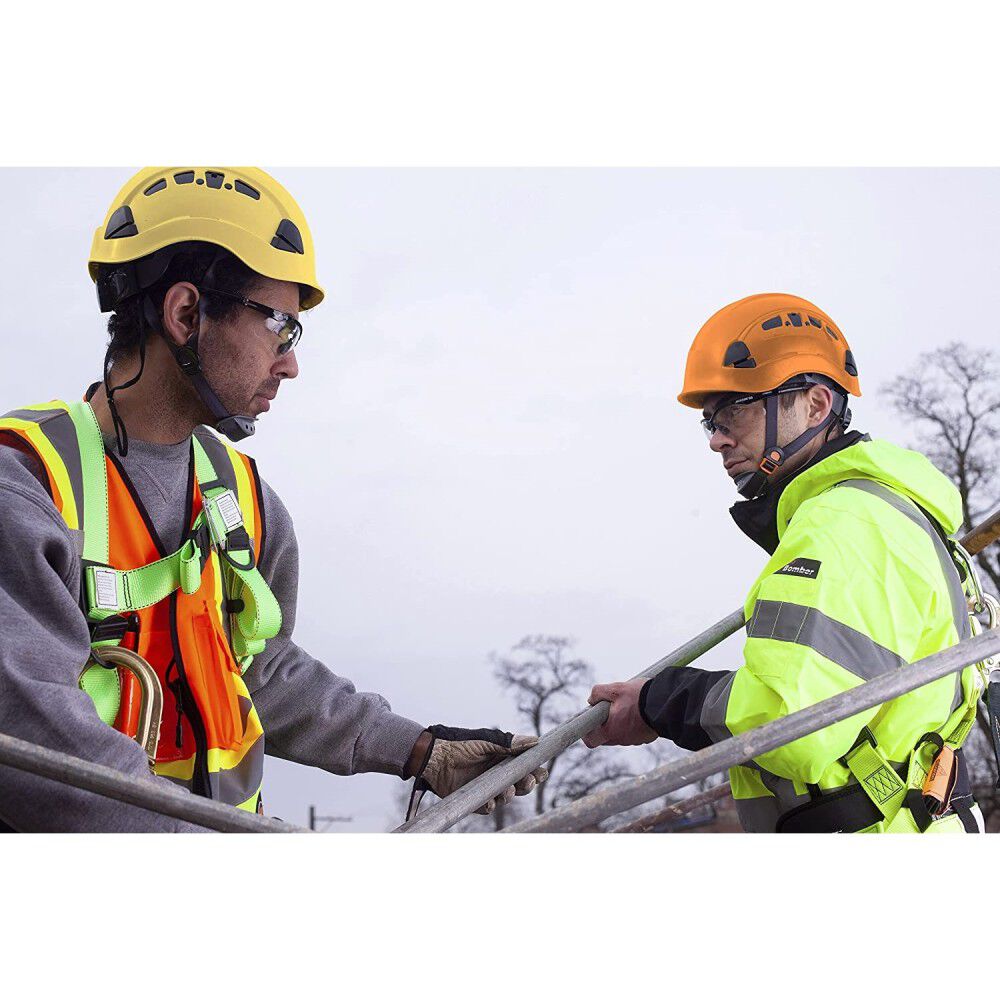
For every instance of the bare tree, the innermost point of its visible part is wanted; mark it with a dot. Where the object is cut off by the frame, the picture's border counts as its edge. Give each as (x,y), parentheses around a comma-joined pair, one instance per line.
(951,397)
(550,686)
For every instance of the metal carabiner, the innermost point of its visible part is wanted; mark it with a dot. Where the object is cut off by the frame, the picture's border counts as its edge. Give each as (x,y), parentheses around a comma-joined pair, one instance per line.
(973,588)
(150,693)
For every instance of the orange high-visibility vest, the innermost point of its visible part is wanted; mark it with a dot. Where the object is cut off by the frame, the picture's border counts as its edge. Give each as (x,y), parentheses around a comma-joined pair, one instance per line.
(197,616)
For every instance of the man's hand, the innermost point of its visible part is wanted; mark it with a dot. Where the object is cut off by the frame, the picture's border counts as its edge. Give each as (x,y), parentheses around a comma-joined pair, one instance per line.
(456,756)
(625,726)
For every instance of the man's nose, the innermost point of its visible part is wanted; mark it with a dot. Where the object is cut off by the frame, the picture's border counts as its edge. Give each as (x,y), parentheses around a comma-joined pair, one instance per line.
(287,366)
(720,440)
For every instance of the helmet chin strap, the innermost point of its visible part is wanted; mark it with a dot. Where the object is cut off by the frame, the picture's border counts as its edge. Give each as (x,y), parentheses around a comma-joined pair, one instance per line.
(752,485)
(236,427)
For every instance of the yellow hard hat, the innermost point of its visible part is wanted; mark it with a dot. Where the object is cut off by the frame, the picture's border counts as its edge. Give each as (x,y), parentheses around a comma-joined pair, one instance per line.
(241,209)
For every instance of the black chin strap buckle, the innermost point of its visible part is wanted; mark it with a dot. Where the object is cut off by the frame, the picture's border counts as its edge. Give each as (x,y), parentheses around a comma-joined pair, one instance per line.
(772,461)
(187,359)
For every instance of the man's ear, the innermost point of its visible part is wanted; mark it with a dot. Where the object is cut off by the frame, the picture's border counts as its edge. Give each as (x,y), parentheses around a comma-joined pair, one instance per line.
(180,312)
(820,402)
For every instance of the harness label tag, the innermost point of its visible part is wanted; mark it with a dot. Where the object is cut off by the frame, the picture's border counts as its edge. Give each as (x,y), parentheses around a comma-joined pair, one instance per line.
(105,589)
(808,568)
(229,509)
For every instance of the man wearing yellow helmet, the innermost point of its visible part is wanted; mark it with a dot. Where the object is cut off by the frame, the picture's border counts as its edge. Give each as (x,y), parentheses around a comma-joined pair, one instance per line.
(146,567)
(861,579)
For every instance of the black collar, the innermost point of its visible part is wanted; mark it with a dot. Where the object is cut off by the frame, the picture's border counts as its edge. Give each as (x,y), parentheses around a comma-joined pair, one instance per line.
(758,519)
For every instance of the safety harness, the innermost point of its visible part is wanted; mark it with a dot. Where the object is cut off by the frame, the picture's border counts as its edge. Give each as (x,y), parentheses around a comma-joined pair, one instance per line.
(114,598)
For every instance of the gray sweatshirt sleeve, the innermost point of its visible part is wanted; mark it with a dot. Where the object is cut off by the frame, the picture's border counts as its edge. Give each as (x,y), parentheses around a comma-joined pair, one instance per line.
(309,714)
(44,644)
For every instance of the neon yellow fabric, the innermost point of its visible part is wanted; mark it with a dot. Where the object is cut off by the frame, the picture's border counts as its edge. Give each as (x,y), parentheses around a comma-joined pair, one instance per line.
(879,600)
(260,618)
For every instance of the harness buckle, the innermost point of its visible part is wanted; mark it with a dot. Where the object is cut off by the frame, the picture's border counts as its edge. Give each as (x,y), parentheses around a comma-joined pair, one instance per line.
(223,516)
(771,461)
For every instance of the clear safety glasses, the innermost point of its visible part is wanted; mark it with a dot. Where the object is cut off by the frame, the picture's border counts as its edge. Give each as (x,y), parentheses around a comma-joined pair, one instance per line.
(733,416)
(287,328)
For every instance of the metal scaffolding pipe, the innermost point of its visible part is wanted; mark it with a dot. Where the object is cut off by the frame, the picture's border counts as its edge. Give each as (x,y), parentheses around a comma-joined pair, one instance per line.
(779,732)
(149,795)
(675,810)
(444,814)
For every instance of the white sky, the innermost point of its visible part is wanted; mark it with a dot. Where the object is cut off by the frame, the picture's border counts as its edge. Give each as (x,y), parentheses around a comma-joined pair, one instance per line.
(484,439)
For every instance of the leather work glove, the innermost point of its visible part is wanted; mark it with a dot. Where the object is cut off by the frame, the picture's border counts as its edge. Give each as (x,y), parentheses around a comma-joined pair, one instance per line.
(456,756)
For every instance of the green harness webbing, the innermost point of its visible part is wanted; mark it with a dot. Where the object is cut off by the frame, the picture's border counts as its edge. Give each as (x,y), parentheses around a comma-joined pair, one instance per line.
(255,615)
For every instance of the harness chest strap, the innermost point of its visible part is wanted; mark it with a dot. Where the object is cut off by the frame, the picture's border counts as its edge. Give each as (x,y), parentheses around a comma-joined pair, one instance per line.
(257,615)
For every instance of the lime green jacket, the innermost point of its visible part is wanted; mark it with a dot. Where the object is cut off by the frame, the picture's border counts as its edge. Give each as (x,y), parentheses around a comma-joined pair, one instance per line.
(860,583)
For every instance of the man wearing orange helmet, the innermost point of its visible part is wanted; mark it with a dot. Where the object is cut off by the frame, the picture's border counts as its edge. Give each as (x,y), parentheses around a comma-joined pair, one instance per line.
(148,574)
(861,579)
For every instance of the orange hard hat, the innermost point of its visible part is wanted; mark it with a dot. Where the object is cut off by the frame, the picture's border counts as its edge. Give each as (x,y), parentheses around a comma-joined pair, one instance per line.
(760,342)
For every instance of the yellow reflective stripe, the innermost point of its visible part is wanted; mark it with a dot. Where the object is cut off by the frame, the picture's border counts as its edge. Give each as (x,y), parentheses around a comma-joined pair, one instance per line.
(55,465)
(244,492)
(250,805)
(55,404)
(181,769)
(218,760)
(229,760)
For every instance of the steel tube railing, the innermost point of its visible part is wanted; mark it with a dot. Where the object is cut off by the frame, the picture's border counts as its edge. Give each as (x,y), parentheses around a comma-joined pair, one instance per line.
(444,814)
(675,810)
(112,784)
(779,732)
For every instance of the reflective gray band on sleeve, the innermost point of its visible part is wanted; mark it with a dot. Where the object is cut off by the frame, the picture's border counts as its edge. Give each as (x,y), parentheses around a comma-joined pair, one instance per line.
(713,708)
(845,646)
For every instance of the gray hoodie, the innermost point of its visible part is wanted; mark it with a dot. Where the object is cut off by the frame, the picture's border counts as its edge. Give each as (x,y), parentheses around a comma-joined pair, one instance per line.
(309,714)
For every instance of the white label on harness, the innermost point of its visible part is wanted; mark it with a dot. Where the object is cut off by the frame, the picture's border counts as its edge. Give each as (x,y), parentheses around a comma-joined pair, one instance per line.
(229,509)
(105,588)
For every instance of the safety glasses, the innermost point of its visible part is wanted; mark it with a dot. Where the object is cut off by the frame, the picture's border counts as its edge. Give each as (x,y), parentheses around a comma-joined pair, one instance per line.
(287,328)
(732,416)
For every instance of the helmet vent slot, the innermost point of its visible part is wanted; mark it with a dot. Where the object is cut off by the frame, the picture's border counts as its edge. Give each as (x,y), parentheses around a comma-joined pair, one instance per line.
(213,178)
(247,190)
(184,177)
(770,324)
(288,237)
(738,356)
(121,224)
(832,333)
(158,186)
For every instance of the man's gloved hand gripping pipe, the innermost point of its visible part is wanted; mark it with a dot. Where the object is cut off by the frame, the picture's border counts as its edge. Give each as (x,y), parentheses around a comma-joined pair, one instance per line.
(455,756)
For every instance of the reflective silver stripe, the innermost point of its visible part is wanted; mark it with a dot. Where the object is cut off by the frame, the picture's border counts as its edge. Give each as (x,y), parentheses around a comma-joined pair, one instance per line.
(35,416)
(804,626)
(758,815)
(237,784)
(61,432)
(713,708)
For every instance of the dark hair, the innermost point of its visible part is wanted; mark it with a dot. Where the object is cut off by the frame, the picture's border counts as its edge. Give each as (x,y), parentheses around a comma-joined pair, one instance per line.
(229,274)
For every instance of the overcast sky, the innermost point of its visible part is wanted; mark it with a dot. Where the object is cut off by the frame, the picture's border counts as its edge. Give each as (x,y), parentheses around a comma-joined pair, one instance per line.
(484,440)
